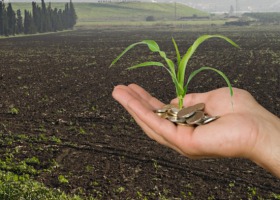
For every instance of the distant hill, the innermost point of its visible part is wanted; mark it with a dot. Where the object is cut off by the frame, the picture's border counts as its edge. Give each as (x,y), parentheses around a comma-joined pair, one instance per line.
(240,5)
(128,11)
(205,5)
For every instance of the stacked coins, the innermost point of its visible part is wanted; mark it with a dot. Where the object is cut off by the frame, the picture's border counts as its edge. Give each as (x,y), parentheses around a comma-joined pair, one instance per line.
(187,116)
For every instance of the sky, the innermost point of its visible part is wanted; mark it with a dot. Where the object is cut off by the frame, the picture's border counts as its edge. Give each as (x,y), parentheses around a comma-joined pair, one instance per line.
(216,6)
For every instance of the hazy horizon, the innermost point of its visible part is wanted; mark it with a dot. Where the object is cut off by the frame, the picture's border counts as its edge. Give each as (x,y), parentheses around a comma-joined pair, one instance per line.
(204,5)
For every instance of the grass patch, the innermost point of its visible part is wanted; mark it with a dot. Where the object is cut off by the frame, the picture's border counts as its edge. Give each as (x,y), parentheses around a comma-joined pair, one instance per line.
(14,187)
(133,11)
(178,24)
(131,14)
(32,35)
(126,11)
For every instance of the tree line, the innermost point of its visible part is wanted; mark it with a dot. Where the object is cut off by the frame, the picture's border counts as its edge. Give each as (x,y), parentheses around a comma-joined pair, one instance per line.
(41,19)
(271,17)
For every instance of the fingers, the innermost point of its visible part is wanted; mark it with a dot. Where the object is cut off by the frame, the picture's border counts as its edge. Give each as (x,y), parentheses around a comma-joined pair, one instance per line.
(155,103)
(150,118)
(154,126)
(125,96)
(164,131)
(127,99)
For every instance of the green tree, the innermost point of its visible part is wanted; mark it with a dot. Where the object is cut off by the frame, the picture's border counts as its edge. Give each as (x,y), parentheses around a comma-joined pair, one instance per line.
(49,13)
(29,27)
(11,20)
(66,16)
(1,18)
(36,13)
(60,20)
(42,19)
(27,22)
(56,20)
(72,15)
(19,23)
(44,16)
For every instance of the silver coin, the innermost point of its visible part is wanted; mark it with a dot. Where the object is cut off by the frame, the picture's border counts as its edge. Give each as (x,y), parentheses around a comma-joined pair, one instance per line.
(189,111)
(208,119)
(169,106)
(165,108)
(176,119)
(171,114)
(162,115)
(173,111)
(196,118)
(186,112)
(161,110)
(199,106)
(188,116)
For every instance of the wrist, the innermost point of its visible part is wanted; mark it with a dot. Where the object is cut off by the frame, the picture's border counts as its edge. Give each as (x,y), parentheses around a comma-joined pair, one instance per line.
(267,149)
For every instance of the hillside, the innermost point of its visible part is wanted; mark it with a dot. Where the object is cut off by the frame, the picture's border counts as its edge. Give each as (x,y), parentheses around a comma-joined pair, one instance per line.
(224,6)
(133,11)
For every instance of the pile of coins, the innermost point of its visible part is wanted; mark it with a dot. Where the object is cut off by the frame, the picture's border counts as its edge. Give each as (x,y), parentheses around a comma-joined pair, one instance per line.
(187,116)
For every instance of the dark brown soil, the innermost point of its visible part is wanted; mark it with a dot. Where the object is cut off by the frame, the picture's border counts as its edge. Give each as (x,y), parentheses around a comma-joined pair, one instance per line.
(61,85)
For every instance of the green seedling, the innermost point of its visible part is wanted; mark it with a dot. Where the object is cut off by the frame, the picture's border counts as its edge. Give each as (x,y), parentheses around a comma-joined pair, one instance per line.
(177,72)
(62,179)
(14,110)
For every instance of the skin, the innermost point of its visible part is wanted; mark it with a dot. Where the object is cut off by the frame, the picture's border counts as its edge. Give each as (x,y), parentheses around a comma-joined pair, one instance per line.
(246,130)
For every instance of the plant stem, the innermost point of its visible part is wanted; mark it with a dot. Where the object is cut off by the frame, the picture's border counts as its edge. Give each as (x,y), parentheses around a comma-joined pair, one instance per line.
(181,100)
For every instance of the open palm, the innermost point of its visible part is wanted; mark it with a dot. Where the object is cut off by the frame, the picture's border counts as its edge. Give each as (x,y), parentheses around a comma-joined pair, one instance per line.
(237,133)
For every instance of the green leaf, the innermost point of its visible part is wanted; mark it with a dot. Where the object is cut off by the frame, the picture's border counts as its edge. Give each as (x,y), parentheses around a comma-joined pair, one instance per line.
(153,46)
(177,51)
(170,65)
(194,73)
(192,49)
(151,63)
(162,54)
(126,50)
(159,64)
(146,64)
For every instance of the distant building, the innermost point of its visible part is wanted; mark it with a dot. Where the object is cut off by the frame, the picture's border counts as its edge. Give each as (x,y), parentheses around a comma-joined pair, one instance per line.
(116,1)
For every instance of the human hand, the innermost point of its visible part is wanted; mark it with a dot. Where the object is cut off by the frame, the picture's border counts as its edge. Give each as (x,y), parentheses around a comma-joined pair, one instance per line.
(247,131)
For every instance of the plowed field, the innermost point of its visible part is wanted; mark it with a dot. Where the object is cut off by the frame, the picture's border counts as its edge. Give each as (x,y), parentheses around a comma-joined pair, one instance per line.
(56,107)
